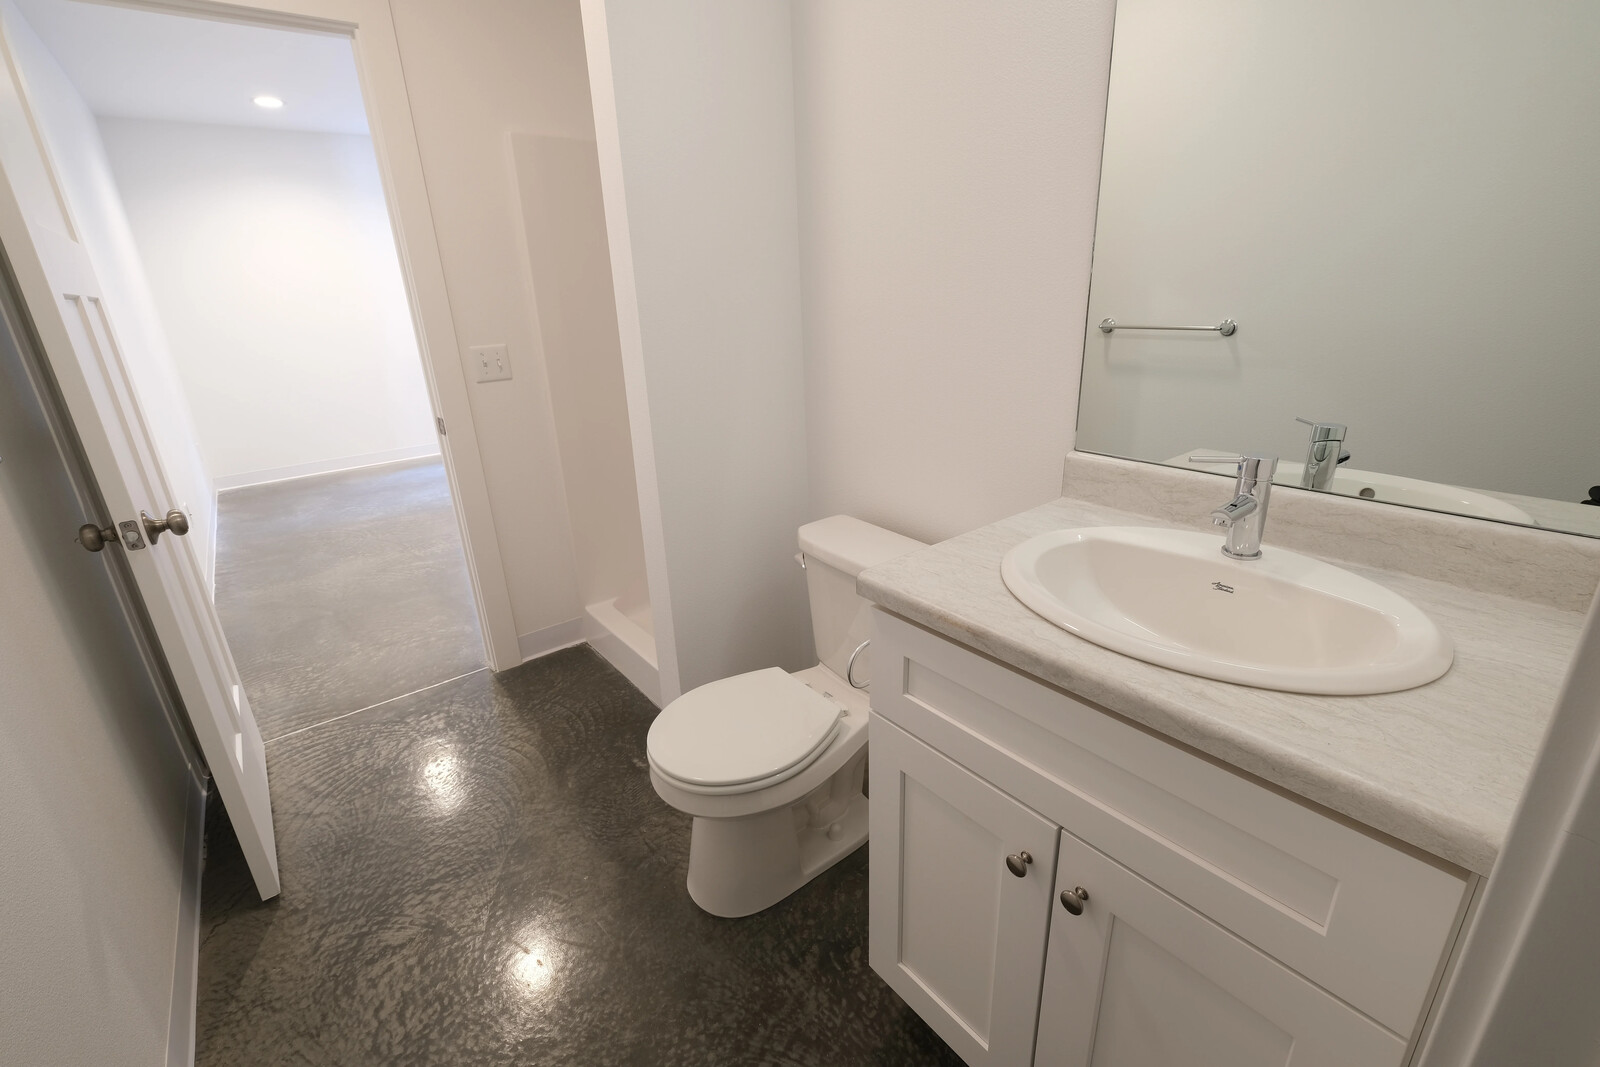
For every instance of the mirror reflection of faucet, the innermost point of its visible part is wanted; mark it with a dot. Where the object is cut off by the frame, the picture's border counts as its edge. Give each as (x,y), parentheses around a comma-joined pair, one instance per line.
(1324,454)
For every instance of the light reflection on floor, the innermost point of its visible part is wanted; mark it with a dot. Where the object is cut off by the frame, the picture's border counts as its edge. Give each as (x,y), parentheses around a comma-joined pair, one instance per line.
(533,968)
(444,781)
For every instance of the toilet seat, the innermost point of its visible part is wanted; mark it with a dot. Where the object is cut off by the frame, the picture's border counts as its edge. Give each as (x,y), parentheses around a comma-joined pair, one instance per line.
(741,734)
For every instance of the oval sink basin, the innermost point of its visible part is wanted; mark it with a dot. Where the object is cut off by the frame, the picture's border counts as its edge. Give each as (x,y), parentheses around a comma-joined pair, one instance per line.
(1284,621)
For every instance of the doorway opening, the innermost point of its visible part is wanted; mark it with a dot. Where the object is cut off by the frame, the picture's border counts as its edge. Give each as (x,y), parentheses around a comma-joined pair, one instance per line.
(230,173)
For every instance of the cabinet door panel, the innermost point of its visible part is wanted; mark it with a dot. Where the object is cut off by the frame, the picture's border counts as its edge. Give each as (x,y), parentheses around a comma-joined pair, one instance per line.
(953,931)
(1141,980)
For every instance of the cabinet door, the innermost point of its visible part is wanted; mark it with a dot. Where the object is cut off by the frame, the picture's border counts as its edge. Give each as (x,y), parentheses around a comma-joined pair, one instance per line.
(1141,980)
(958,935)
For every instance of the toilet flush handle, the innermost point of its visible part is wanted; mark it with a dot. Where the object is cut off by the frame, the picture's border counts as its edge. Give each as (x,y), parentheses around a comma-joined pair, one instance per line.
(850,671)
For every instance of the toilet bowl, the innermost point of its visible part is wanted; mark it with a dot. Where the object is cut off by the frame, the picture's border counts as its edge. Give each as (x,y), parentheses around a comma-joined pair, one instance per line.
(770,764)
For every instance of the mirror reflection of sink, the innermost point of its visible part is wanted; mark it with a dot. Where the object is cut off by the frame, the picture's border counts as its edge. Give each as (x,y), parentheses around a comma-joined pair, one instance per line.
(1375,485)
(1285,621)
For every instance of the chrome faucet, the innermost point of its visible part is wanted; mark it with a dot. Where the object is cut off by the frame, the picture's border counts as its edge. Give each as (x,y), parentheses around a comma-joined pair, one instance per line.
(1246,514)
(1324,455)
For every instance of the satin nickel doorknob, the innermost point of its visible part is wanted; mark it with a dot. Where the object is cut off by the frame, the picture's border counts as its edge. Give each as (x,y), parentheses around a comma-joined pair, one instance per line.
(175,522)
(1074,899)
(1018,862)
(94,538)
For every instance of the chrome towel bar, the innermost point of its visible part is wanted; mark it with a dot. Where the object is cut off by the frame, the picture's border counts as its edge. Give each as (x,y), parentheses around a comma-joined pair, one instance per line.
(1225,327)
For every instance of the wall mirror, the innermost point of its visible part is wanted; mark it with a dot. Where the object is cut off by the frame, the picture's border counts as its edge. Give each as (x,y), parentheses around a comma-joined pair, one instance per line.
(1398,205)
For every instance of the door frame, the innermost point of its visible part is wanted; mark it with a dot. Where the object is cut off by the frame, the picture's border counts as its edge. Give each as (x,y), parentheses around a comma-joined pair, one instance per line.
(369,26)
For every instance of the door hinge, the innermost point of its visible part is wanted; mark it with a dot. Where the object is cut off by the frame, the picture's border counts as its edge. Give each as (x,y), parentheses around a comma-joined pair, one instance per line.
(440,420)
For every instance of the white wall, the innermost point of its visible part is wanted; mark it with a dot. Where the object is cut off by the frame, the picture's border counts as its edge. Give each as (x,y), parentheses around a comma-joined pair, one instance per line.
(73,140)
(475,71)
(1396,202)
(694,115)
(949,157)
(93,786)
(569,264)
(273,265)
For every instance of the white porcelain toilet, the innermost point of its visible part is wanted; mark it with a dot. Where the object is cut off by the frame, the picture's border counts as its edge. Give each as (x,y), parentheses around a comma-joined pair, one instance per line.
(769,763)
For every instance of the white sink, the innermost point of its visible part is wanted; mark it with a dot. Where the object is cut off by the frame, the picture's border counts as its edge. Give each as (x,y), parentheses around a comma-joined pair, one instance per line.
(1284,621)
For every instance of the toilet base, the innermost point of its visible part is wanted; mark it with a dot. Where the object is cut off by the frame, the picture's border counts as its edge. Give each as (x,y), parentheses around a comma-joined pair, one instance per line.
(740,866)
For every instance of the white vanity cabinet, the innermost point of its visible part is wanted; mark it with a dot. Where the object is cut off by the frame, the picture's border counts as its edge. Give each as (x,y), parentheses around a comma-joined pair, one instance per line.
(1139,979)
(967,944)
(1223,922)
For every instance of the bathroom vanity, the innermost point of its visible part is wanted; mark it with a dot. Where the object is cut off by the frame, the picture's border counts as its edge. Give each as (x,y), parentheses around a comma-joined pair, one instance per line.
(1080,857)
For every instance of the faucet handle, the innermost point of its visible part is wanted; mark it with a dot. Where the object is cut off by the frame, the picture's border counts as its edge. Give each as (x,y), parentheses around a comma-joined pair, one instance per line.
(1324,431)
(1253,467)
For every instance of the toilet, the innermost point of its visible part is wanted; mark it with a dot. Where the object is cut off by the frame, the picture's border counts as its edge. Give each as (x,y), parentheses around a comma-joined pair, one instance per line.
(769,763)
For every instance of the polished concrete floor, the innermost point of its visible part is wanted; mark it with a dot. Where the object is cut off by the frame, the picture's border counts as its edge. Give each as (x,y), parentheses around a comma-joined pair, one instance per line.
(343,590)
(475,867)
(481,874)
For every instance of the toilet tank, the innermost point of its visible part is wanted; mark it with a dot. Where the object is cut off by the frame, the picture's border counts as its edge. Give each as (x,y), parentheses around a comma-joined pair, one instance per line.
(836,550)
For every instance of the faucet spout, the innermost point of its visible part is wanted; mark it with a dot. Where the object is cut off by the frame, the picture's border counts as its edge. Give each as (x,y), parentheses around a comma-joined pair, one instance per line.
(1245,516)
(1238,508)
(1324,454)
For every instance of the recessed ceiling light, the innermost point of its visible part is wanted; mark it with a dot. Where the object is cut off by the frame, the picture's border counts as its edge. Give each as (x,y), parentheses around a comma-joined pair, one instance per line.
(271,103)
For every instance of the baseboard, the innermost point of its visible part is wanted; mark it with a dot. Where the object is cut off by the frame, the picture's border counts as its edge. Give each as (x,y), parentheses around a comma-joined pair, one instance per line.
(550,639)
(625,645)
(186,957)
(323,466)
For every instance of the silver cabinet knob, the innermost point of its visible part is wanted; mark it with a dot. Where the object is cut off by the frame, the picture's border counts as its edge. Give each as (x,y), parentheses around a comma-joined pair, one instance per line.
(1074,899)
(1018,862)
(175,522)
(94,538)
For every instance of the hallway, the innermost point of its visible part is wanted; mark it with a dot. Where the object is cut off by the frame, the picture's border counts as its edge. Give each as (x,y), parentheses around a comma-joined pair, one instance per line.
(344,590)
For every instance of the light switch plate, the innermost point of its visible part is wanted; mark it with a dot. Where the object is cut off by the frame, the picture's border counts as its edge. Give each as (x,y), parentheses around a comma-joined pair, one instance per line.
(490,363)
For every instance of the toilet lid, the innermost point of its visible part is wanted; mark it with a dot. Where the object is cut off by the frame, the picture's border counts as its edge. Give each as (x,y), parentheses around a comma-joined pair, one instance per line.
(741,729)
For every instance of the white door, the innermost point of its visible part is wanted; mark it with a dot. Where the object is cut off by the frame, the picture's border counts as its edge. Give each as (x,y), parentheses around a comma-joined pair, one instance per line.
(78,331)
(960,898)
(1135,978)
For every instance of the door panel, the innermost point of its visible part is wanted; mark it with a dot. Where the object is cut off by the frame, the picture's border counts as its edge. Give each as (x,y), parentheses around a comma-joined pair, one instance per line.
(952,930)
(77,329)
(1139,980)
(943,853)
(1154,1008)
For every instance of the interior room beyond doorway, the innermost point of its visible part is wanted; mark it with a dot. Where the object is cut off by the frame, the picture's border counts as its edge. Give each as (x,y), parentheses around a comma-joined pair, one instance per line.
(229,171)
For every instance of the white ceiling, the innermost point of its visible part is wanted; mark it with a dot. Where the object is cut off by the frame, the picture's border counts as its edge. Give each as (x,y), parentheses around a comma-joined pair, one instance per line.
(143,64)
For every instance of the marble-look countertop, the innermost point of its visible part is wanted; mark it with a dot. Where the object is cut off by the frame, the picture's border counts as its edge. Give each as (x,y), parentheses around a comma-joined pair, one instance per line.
(1582,519)
(1440,767)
